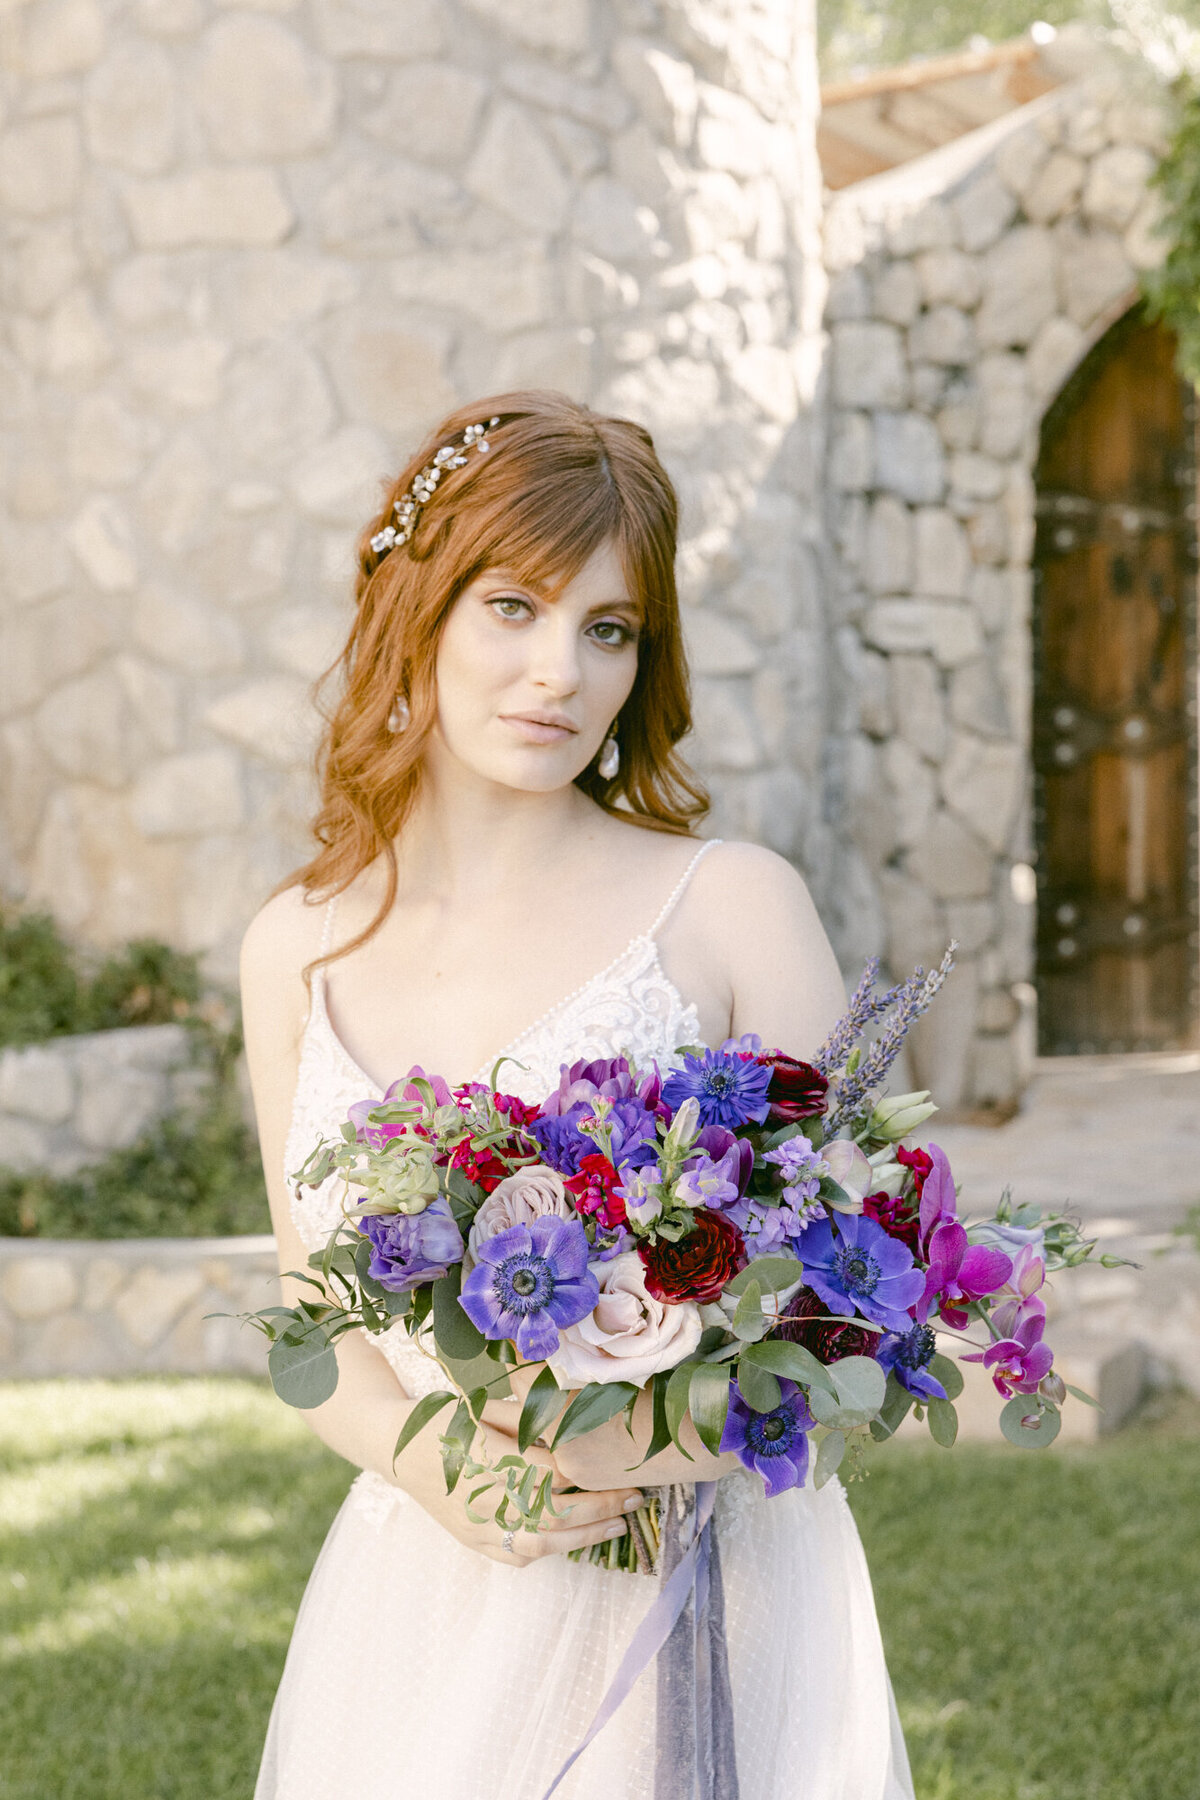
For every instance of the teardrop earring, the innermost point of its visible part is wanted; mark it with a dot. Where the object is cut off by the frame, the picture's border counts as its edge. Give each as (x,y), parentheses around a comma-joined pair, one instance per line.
(399,716)
(610,755)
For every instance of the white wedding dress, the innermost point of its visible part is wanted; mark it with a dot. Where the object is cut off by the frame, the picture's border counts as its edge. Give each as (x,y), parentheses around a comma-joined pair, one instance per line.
(420,1670)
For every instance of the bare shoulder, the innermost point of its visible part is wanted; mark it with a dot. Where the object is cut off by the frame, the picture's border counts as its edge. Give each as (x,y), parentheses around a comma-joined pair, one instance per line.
(282,937)
(756,887)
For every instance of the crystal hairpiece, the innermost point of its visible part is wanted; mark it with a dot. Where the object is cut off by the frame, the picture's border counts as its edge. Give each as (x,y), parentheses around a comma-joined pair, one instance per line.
(424,486)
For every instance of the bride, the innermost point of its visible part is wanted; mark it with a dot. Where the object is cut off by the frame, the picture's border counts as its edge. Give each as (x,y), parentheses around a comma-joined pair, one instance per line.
(505,866)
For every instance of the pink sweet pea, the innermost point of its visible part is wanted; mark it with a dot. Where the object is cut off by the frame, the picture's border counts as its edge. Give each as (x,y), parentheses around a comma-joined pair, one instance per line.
(1018,1362)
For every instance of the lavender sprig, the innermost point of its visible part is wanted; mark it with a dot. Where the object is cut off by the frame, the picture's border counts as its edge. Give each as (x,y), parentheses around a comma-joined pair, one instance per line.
(865,1005)
(910,999)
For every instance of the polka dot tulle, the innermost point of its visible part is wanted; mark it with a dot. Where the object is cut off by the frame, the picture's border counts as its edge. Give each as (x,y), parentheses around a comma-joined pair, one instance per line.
(419,1668)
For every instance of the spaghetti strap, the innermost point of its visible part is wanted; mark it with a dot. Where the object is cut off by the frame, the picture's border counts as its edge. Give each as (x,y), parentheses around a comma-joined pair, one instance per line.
(680,888)
(327,928)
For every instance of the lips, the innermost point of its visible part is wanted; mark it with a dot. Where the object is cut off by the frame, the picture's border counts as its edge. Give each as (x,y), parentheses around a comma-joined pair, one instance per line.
(539,727)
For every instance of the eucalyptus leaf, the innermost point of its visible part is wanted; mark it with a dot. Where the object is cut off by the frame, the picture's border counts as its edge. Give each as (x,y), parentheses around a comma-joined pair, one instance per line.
(758,1387)
(677,1403)
(708,1403)
(593,1405)
(303,1374)
(769,1273)
(897,1404)
(425,1409)
(749,1320)
(1029,1437)
(860,1383)
(455,1333)
(943,1369)
(792,1361)
(543,1403)
(1079,1394)
(943,1423)
(830,1452)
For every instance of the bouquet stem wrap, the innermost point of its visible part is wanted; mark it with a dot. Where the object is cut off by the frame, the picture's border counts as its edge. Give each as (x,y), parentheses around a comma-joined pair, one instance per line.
(694,1753)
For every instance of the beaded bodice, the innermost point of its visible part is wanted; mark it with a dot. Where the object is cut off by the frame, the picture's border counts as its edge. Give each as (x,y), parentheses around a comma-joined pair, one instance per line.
(629,1007)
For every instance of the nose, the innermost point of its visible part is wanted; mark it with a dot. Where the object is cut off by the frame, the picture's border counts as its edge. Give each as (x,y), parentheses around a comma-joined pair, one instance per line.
(554,662)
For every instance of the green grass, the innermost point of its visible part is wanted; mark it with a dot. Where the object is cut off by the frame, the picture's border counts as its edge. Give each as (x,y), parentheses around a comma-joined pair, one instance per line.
(1040,1610)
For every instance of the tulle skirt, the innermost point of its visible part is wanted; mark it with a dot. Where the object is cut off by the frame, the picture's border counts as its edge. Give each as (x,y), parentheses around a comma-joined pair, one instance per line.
(419,1668)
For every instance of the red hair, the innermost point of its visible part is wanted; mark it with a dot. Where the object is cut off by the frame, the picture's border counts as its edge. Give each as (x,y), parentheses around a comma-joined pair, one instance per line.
(558,482)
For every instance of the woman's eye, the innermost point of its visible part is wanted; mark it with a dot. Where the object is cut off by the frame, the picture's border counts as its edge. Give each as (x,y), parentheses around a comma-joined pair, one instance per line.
(508,606)
(612,632)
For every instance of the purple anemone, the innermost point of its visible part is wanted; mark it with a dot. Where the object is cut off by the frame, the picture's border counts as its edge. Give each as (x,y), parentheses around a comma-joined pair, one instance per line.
(530,1282)
(908,1354)
(856,1267)
(774,1444)
(410,1248)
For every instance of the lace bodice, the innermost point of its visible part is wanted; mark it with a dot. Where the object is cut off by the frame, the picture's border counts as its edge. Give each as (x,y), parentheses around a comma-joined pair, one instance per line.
(630,1006)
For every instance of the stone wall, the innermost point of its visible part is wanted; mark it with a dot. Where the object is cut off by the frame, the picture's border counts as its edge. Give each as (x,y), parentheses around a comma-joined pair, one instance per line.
(251,252)
(133,1306)
(69,1101)
(965,288)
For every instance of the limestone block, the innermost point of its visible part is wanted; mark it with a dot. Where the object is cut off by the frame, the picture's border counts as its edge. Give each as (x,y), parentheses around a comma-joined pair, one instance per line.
(914,926)
(551,90)
(897,293)
(545,359)
(663,86)
(1054,353)
(950,630)
(984,209)
(208,206)
(868,364)
(84,728)
(917,704)
(582,149)
(870,814)
(264,292)
(1096,276)
(36,1082)
(428,109)
(185,633)
(1084,127)
(131,108)
(983,783)
(117,1103)
(108,442)
(271,717)
(725,734)
(1116,184)
(1056,188)
(849,296)
(852,452)
(1006,414)
(380,28)
(280,403)
(515,170)
(909,459)
(1019,510)
(971,923)
(170,18)
(765,372)
(922,224)
(912,788)
(951,858)
(1140,118)
(305,639)
(185,373)
(976,700)
(1020,159)
(977,477)
(44,267)
(596,289)
(76,342)
(564,26)
(948,277)
(716,646)
(730,133)
(40,166)
(152,698)
(1018,288)
(176,496)
(958,416)
(189,795)
(717,212)
(63,37)
(862,695)
(1145,244)
(943,556)
(260,93)
(24,1146)
(610,221)
(393,378)
(103,1278)
(888,557)
(340,481)
(153,1301)
(944,335)
(995,598)
(35,1287)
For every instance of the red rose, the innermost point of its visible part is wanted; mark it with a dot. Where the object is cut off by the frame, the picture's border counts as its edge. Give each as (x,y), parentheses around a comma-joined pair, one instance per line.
(898,1216)
(595,1190)
(699,1265)
(919,1161)
(797,1090)
(803,1323)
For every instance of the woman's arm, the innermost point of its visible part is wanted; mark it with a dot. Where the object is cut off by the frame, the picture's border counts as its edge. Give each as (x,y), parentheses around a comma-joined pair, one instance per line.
(364,1416)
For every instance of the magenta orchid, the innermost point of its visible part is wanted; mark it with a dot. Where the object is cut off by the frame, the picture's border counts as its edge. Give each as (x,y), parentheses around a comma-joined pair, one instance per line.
(958,1271)
(1019,1362)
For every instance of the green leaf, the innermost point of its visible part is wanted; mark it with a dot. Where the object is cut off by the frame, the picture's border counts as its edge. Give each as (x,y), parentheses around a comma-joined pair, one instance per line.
(749,1320)
(830,1452)
(456,1442)
(757,1386)
(304,1374)
(860,1384)
(543,1402)
(593,1405)
(792,1361)
(452,1329)
(836,1195)
(1088,1399)
(943,1423)
(770,1273)
(708,1403)
(1029,1437)
(419,1417)
(660,1435)
(948,1373)
(897,1404)
(677,1403)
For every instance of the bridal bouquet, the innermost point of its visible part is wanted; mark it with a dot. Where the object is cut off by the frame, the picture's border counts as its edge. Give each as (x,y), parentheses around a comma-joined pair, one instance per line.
(748,1237)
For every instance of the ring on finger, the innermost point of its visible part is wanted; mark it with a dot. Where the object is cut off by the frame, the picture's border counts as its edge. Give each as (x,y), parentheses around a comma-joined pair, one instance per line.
(507,1542)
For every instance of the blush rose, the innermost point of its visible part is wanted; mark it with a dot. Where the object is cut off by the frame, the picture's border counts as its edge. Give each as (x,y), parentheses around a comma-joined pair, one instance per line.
(529,1194)
(629,1335)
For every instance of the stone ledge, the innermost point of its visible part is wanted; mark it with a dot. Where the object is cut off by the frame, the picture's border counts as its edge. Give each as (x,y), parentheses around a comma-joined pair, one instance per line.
(131,1306)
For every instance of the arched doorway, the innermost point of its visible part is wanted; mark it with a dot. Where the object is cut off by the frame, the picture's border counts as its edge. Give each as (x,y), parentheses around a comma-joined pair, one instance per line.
(1114,702)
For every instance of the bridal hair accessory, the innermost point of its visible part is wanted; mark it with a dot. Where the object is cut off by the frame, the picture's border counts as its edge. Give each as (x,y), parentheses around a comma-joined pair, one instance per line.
(610,755)
(399,716)
(424,486)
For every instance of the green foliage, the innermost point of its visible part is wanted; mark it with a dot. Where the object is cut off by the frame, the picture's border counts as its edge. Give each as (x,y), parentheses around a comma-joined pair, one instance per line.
(47,989)
(197,1176)
(854,36)
(1173,290)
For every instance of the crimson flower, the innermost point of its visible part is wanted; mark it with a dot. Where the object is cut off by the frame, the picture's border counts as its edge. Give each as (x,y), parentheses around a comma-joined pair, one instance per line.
(919,1161)
(797,1090)
(806,1321)
(699,1265)
(597,1191)
(896,1214)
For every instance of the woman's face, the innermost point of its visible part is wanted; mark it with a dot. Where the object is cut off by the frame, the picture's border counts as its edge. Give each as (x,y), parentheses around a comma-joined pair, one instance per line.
(528,687)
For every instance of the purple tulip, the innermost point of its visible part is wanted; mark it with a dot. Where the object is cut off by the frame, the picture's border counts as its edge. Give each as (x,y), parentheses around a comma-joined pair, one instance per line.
(958,1273)
(774,1444)
(529,1282)
(856,1267)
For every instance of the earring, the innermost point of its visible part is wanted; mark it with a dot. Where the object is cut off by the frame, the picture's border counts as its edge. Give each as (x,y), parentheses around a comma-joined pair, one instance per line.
(399,716)
(610,755)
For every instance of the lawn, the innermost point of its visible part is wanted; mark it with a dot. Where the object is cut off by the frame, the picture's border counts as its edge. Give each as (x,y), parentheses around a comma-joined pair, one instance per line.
(1041,1610)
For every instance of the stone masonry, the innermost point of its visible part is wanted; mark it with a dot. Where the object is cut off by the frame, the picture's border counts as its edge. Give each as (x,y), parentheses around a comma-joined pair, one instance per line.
(251,252)
(965,288)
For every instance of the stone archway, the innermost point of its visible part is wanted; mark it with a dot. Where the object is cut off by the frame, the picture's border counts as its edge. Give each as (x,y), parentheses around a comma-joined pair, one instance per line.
(966,287)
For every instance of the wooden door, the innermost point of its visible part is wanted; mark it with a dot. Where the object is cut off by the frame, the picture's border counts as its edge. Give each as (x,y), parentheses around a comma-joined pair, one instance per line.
(1114,702)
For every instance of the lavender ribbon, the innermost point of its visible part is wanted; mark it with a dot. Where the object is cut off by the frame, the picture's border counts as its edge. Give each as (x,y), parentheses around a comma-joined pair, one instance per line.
(694,1749)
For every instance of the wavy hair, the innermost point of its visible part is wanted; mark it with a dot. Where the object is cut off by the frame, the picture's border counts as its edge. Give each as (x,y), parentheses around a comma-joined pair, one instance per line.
(558,482)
